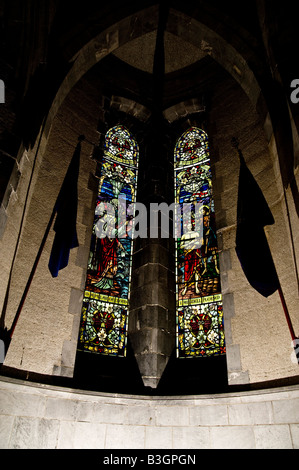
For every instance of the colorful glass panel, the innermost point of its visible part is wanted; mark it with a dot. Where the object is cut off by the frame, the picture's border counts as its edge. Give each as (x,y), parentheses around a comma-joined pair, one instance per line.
(199,311)
(104,319)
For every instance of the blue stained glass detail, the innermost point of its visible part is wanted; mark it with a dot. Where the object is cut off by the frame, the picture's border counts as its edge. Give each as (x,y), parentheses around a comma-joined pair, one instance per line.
(199,311)
(104,320)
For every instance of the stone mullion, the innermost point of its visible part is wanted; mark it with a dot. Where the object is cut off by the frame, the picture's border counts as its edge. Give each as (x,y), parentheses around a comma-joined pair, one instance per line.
(152,305)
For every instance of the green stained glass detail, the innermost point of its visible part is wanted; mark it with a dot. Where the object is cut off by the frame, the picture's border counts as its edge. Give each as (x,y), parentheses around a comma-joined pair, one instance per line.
(199,311)
(104,320)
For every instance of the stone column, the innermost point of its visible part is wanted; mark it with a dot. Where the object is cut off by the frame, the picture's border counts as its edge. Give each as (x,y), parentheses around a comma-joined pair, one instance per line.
(152,304)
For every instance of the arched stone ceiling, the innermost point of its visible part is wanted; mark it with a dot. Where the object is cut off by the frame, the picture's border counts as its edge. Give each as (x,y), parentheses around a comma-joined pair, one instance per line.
(126,39)
(178,53)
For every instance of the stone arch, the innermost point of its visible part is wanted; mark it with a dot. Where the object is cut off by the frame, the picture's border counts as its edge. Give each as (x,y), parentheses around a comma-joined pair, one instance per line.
(179,24)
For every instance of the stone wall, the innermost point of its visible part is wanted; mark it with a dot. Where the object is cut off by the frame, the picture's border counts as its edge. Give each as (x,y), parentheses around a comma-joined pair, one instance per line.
(36,416)
(45,338)
(258,342)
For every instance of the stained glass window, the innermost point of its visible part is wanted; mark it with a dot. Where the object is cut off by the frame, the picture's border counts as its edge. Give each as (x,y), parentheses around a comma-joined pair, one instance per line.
(199,312)
(104,318)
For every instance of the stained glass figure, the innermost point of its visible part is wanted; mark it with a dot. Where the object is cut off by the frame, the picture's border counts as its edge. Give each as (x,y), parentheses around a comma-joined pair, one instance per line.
(104,318)
(199,311)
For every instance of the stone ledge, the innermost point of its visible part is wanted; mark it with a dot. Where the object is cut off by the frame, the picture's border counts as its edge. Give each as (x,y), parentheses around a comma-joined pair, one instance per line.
(42,416)
(276,393)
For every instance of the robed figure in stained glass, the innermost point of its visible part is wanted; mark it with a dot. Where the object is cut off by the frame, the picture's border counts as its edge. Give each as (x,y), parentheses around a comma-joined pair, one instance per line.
(192,259)
(106,300)
(107,263)
(199,301)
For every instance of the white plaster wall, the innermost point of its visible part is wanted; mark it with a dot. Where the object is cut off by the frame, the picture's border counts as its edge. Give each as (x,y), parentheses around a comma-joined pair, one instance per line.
(35,416)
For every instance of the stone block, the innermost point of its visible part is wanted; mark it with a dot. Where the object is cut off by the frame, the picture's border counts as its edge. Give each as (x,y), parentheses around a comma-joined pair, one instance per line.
(228,305)
(172,416)
(85,411)
(234,358)
(237,377)
(151,366)
(75,328)
(273,437)
(3,220)
(34,433)
(294,428)
(251,413)
(221,219)
(6,426)
(209,415)
(62,409)
(93,184)
(106,413)
(191,437)
(141,415)
(154,253)
(66,435)
(225,260)
(286,411)
(145,341)
(158,437)
(149,316)
(137,278)
(76,299)
(63,371)
(124,437)
(155,293)
(232,437)
(224,279)
(82,256)
(21,404)
(68,355)
(89,436)
(21,436)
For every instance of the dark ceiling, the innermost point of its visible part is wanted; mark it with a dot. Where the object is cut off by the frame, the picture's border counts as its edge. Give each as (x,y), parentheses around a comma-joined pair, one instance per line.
(39,39)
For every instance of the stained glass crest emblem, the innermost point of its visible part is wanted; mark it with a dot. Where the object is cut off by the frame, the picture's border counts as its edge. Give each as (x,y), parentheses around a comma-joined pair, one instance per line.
(191,148)
(199,310)
(104,319)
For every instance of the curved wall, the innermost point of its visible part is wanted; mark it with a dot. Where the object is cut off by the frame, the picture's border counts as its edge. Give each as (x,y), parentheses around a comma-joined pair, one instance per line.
(35,416)
(259,347)
(45,339)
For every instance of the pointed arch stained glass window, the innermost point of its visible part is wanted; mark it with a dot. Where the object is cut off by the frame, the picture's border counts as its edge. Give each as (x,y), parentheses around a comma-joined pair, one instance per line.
(199,311)
(104,318)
